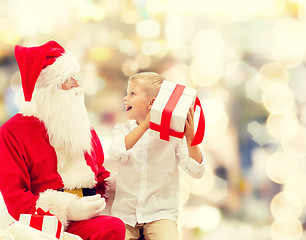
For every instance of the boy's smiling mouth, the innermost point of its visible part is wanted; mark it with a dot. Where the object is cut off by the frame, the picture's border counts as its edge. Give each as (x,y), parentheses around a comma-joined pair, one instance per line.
(128,108)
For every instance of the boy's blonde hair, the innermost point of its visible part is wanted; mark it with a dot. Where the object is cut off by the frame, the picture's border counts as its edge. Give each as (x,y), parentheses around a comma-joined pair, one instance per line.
(149,81)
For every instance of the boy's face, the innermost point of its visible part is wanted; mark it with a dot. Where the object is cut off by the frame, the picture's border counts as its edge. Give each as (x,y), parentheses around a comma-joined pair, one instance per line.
(136,103)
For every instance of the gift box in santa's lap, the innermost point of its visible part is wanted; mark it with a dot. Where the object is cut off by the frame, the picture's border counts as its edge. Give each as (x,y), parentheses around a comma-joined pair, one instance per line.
(43,221)
(169,113)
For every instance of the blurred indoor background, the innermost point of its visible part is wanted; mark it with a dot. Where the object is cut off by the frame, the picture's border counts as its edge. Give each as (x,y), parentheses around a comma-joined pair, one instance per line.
(247,60)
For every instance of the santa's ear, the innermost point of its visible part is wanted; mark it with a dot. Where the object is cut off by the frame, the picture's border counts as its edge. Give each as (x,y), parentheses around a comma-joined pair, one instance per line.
(151,103)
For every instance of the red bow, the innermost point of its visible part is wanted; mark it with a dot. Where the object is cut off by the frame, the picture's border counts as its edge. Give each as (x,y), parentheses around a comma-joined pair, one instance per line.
(40,211)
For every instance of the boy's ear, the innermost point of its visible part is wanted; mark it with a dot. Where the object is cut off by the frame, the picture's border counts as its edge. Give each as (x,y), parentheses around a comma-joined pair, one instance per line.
(151,103)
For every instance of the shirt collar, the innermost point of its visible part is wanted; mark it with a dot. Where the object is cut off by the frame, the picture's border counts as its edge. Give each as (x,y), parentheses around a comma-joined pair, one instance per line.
(133,124)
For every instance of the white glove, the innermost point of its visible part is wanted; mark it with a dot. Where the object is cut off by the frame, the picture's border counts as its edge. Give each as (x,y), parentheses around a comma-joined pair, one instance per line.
(86,208)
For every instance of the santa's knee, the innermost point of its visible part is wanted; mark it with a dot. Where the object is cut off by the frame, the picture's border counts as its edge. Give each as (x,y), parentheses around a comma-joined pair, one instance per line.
(118,226)
(115,229)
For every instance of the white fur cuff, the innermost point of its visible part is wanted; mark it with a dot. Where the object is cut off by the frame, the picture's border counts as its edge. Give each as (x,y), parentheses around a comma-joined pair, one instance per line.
(110,182)
(110,189)
(57,202)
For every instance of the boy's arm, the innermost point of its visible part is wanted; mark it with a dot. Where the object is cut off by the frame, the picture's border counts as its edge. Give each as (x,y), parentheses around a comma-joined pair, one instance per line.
(132,138)
(193,151)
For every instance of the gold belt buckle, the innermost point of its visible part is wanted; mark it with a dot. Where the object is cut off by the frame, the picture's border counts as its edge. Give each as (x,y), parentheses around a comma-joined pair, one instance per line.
(77,192)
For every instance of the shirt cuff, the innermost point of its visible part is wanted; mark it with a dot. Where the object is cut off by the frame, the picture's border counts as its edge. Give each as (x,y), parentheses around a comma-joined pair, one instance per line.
(120,148)
(197,169)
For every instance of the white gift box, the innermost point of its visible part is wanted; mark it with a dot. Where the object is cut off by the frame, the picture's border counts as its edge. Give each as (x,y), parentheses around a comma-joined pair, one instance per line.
(48,224)
(174,101)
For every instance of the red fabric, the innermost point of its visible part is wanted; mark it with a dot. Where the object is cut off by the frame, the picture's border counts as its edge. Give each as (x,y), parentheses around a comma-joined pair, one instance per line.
(97,165)
(167,112)
(28,164)
(172,133)
(39,211)
(36,222)
(199,135)
(31,60)
(102,227)
(59,229)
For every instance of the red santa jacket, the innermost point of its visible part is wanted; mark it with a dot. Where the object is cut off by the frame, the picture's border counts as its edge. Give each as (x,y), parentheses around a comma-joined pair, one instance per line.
(28,167)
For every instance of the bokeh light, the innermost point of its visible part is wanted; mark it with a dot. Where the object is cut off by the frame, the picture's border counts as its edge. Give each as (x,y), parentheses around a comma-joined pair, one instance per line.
(179,73)
(288,230)
(148,29)
(208,218)
(207,44)
(245,58)
(205,72)
(272,7)
(281,167)
(278,97)
(283,126)
(295,145)
(286,206)
(295,185)
(216,117)
(290,38)
(272,73)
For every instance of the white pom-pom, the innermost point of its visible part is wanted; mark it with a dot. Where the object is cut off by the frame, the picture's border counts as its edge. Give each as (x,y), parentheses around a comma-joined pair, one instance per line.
(110,188)
(28,108)
(110,182)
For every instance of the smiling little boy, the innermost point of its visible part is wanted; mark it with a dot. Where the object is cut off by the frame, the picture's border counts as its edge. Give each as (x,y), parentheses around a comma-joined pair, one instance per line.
(147,190)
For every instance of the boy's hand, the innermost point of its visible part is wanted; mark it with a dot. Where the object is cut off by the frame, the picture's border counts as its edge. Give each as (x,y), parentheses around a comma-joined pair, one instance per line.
(189,126)
(193,151)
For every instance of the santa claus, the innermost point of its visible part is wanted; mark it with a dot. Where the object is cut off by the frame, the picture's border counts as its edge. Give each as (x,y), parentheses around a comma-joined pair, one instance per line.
(50,156)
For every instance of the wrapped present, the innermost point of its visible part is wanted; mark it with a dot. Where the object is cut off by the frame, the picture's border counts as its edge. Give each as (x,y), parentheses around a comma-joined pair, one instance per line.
(169,112)
(43,221)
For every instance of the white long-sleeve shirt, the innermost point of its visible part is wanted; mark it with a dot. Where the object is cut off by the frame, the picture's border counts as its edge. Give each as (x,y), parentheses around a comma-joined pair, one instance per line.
(147,186)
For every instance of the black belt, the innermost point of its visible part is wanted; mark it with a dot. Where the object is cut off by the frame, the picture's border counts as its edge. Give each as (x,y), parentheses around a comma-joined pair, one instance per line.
(89,191)
(80,192)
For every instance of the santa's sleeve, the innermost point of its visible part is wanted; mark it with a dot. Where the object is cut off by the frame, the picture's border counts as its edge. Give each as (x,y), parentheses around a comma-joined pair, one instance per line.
(15,182)
(99,155)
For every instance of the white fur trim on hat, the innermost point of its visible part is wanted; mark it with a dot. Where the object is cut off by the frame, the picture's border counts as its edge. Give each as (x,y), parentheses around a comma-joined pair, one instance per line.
(57,73)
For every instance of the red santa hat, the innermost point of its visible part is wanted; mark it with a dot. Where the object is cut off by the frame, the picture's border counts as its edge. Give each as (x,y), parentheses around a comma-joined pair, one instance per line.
(44,65)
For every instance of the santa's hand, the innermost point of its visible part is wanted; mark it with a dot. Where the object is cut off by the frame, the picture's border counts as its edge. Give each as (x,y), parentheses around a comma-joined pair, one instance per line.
(86,208)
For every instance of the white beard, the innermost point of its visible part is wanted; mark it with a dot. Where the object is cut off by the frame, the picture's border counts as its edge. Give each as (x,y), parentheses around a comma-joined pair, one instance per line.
(65,117)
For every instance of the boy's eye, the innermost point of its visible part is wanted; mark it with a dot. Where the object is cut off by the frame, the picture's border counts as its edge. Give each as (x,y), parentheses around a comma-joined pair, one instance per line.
(132,93)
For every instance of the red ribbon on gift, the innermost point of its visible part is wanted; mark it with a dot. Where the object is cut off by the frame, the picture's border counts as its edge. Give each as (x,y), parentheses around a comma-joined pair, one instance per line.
(199,135)
(172,133)
(164,127)
(167,112)
(37,222)
(40,211)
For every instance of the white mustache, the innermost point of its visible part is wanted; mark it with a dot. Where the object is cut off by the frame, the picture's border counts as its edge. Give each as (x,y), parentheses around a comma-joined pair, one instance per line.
(76,91)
